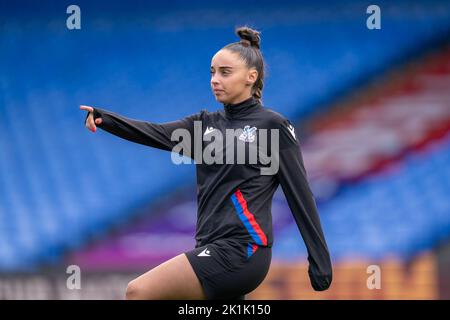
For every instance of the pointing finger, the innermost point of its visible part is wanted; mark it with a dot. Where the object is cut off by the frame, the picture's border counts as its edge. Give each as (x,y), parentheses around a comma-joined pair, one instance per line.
(87,108)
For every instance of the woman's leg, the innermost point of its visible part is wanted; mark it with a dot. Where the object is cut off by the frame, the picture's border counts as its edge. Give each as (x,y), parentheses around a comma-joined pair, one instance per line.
(173,279)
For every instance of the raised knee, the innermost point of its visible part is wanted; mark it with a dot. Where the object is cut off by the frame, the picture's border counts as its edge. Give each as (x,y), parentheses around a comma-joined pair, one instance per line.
(133,292)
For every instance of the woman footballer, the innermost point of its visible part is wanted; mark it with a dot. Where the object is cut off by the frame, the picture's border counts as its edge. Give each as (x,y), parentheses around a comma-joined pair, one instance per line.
(234,222)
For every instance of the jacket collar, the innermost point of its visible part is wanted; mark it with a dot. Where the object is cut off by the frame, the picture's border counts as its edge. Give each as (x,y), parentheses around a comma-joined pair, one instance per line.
(242,108)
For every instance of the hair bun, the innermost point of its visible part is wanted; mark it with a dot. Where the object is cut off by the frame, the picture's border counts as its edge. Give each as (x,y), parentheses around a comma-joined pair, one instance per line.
(249,36)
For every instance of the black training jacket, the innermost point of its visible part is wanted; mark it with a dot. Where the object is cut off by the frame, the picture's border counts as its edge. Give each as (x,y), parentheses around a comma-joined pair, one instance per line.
(234,200)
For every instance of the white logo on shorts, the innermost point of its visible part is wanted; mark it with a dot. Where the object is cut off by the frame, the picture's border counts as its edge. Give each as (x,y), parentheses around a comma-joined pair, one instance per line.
(204,253)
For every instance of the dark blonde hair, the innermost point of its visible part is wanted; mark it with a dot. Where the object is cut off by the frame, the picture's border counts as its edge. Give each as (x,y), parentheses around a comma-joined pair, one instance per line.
(249,50)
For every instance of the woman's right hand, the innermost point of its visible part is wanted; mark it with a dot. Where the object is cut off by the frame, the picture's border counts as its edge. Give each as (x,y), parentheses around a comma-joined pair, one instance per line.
(90,123)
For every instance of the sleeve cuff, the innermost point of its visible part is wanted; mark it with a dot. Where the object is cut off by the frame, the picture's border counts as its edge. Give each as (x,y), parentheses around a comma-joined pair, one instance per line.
(320,282)
(96,113)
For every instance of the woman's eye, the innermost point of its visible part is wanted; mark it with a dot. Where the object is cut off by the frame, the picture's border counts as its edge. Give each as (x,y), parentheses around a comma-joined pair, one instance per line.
(225,73)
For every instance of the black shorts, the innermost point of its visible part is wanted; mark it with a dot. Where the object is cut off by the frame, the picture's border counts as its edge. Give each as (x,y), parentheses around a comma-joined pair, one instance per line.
(229,269)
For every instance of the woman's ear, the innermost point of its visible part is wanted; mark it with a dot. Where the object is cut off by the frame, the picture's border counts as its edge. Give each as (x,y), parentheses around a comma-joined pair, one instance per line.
(252,76)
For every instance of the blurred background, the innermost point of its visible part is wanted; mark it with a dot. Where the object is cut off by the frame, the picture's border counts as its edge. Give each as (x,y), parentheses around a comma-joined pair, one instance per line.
(371,108)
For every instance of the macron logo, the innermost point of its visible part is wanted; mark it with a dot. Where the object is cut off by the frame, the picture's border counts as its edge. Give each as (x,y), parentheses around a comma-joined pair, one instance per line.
(204,253)
(292,131)
(208,130)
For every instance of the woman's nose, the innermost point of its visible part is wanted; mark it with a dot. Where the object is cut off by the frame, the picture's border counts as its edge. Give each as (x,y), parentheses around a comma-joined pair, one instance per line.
(214,78)
(214,81)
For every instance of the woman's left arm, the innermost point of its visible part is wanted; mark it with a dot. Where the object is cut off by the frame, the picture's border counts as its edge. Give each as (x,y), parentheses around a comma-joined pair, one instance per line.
(293,179)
